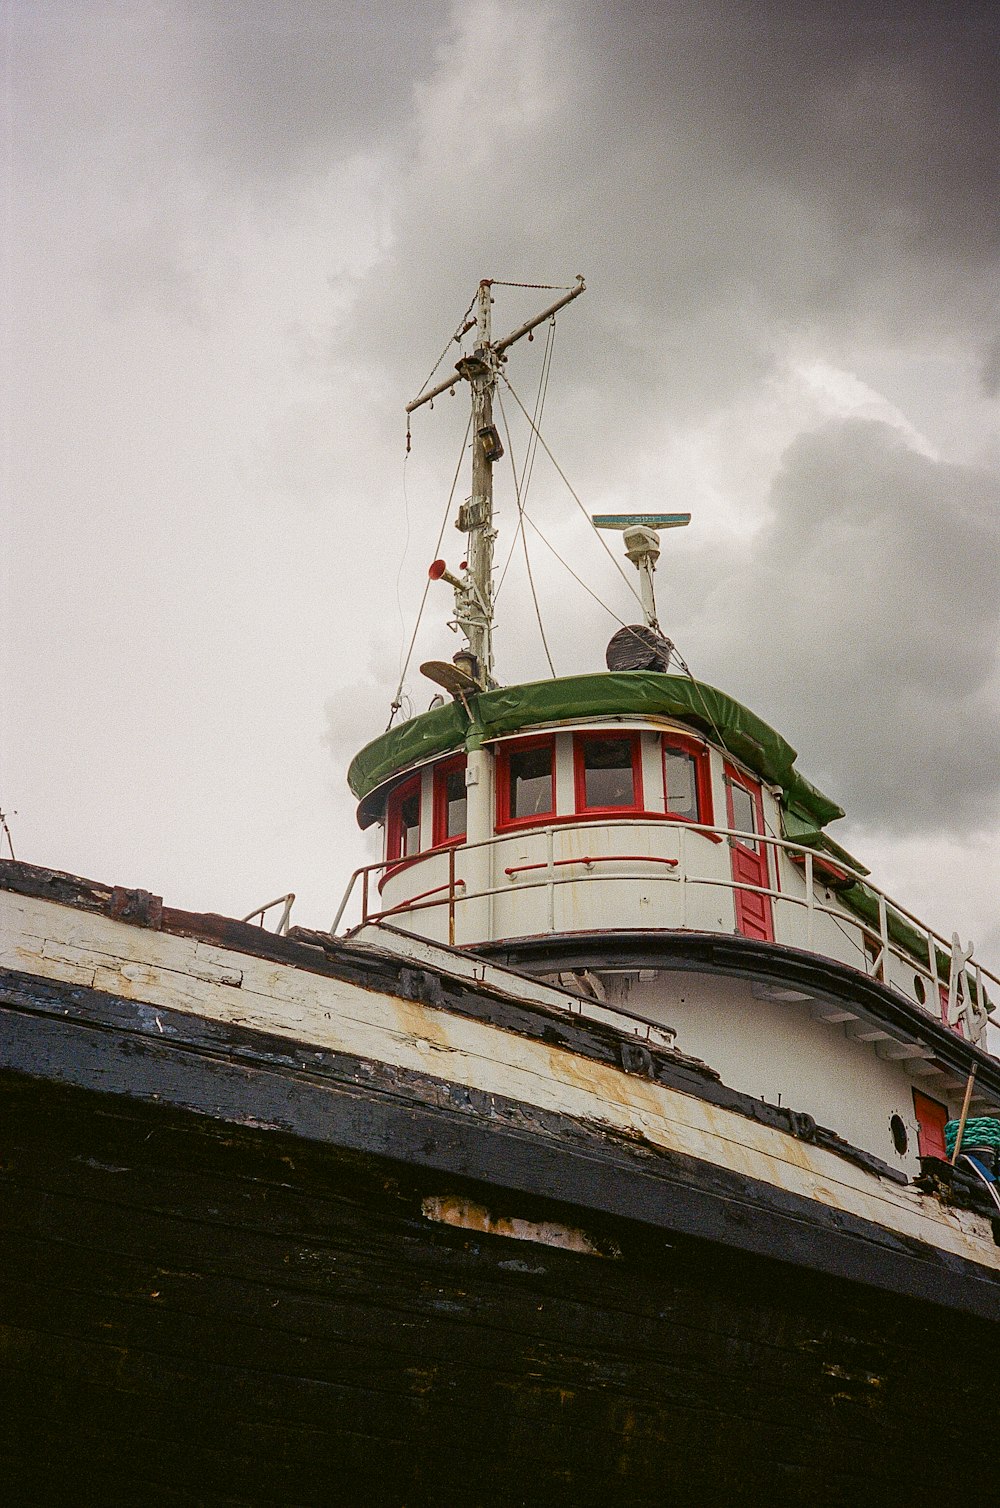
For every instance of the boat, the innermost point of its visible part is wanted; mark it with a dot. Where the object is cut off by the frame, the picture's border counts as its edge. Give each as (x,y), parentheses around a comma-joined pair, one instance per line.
(622,1141)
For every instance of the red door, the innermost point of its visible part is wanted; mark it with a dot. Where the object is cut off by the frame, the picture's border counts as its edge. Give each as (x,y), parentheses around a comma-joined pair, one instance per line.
(749,858)
(931,1116)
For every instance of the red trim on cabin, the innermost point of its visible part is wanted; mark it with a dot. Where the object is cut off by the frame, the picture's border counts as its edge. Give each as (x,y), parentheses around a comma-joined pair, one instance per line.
(827,871)
(702,776)
(394,819)
(505,750)
(943,991)
(440,838)
(754,916)
(635,807)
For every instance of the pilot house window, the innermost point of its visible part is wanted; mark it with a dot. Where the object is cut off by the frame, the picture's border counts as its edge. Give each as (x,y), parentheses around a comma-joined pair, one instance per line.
(744,815)
(681,781)
(608,773)
(687,779)
(450,801)
(526,782)
(404,820)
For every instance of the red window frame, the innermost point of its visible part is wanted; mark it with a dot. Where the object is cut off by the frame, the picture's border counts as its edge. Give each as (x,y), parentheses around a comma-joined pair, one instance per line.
(679,742)
(440,838)
(621,735)
(394,824)
(506,749)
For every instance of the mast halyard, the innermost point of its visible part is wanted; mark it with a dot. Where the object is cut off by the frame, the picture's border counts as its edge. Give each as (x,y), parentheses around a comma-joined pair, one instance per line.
(474,589)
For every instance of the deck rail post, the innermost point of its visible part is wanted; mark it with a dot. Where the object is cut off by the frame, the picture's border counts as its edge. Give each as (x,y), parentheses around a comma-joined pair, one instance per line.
(451,897)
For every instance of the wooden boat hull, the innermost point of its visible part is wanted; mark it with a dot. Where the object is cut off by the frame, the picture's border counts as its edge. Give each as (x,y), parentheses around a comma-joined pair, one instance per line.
(246,1266)
(198,1312)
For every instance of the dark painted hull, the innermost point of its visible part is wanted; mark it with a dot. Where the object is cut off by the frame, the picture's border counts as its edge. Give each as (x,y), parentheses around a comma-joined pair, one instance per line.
(194,1312)
(219,1282)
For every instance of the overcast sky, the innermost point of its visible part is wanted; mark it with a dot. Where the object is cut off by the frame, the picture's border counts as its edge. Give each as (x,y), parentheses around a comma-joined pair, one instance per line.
(236,238)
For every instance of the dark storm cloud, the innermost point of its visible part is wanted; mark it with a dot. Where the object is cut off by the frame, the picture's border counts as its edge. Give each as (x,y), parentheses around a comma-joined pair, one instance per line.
(878,112)
(731,178)
(867,627)
(723,172)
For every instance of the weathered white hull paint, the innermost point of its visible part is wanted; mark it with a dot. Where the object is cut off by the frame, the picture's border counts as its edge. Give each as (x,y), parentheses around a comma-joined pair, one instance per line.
(62,943)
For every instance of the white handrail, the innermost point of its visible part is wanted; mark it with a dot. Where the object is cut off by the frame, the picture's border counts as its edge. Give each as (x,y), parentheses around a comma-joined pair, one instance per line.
(879,933)
(286,901)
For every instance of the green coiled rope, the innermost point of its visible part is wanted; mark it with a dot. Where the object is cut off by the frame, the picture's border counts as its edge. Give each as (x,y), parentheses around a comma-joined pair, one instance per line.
(980,1131)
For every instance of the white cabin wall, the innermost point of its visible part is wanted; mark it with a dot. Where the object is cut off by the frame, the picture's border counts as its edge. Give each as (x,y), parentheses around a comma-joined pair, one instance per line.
(780,1053)
(476,864)
(565,781)
(651,748)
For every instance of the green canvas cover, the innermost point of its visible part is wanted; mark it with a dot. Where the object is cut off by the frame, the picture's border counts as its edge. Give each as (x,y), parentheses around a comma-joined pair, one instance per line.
(636,693)
(799,827)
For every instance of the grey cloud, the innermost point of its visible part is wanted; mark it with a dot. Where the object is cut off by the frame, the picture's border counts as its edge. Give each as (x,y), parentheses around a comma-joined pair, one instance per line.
(279,88)
(724,173)
(991,369)
(865,626)
(737,181)
(252,90)
(878,113)
(731,178)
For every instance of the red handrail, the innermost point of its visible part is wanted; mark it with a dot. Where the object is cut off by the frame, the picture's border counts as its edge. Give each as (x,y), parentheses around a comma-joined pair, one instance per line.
(601,858)
(407,904)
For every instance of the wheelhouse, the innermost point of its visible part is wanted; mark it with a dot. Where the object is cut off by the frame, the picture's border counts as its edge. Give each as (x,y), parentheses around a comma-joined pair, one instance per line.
(561,825)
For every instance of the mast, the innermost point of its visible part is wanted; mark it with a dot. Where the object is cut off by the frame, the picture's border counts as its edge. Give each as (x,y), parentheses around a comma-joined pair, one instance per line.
(474,589)
(475,613)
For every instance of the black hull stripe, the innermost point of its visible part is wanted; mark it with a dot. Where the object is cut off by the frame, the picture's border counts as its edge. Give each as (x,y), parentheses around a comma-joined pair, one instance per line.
(73,1036)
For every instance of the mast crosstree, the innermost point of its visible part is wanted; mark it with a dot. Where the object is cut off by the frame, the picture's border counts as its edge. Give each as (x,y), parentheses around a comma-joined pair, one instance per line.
(474,589)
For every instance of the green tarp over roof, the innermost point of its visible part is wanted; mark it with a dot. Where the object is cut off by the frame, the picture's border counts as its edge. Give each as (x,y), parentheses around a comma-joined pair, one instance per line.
(636,693)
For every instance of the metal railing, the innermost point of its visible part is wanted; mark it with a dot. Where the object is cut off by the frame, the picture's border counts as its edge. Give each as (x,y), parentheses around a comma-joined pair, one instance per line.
(284,920)
(874,942)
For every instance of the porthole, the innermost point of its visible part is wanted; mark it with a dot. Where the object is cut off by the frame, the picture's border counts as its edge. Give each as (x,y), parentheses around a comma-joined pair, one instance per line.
(900,1139)
(919,989)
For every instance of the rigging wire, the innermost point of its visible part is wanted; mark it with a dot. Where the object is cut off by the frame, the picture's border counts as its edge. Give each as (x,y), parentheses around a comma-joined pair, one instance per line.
(396,701)
(543,388)
(524,541)
(578,579)
(604,545)
(402,559)
(462,328)
(529,458)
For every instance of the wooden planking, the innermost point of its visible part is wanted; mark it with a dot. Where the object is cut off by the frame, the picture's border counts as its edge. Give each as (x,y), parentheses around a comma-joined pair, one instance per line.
(371,1109)
(421,1365)
(422,1038)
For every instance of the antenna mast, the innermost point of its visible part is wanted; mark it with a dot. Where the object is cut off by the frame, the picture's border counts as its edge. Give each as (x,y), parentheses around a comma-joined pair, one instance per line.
(474,590)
